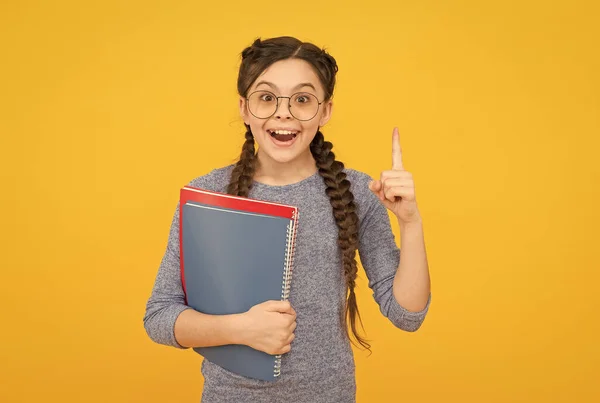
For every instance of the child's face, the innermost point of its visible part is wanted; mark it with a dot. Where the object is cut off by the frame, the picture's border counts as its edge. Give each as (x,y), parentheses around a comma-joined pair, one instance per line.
(284,79)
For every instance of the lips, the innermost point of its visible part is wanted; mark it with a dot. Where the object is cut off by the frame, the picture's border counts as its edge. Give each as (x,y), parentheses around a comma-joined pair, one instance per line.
(283,135)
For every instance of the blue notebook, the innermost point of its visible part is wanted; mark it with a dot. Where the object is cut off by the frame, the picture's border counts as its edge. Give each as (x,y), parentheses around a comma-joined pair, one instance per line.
(232,259)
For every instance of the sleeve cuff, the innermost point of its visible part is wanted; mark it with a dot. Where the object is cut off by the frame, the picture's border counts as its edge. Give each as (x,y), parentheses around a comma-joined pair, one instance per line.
(405,319)
(177,311)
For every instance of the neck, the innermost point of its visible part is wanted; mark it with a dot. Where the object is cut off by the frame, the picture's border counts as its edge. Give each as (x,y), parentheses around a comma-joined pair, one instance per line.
(276,173)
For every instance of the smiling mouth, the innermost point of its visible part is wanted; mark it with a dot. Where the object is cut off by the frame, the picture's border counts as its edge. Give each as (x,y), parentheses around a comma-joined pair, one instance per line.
(283,135)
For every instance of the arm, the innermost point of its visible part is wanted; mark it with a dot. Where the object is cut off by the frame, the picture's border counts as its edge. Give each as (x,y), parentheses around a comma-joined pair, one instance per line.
(168,320)
(195,329)
(267,327)
(380,257)
(412,283)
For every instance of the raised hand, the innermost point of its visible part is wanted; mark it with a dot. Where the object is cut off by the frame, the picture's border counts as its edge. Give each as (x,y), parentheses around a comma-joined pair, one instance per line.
(395,188)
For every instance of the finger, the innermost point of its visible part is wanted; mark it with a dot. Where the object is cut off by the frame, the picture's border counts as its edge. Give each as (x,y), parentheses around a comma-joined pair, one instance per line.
(291,310)
(382,178)
(279,306)
(398,191)
(375,185)
(372,186)
(389,195)
(393,182)
(394,174)
(396,151)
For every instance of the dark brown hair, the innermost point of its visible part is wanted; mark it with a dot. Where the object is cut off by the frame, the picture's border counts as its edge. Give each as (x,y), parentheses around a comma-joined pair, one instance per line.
(256,59)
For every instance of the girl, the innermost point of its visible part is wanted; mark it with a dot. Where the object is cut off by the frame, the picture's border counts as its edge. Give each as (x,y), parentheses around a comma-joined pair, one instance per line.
(285,89)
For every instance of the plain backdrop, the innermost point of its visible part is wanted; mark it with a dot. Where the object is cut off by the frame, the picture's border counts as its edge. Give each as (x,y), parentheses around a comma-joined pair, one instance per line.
(109,107)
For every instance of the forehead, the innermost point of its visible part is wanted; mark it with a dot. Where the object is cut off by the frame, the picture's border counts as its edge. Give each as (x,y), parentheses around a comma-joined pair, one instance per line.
(287,74)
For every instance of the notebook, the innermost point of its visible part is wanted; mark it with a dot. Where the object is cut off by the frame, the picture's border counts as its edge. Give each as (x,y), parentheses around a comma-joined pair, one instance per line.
(235,253)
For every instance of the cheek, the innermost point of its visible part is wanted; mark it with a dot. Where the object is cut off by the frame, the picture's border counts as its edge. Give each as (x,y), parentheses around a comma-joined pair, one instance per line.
(258,130)
(311,126)
(256,125)
(258,134)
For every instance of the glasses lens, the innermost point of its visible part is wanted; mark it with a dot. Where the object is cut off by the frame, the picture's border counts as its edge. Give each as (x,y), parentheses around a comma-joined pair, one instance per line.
(262,104)
(304,106)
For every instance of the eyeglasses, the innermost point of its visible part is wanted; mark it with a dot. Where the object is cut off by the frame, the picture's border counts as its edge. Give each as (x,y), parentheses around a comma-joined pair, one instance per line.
(302,105)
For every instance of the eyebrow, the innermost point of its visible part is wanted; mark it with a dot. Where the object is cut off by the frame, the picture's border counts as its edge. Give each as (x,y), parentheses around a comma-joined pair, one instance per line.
(295,88)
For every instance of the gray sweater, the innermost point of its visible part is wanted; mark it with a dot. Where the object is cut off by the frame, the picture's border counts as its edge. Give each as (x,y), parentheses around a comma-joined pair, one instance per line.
(320,366)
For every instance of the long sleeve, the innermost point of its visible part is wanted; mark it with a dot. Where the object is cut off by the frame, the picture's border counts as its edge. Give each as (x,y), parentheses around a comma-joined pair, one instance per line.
(167,299)
(380,257)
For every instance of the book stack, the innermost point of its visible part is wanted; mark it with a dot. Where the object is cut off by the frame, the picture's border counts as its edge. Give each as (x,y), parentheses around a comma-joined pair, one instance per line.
(235,253)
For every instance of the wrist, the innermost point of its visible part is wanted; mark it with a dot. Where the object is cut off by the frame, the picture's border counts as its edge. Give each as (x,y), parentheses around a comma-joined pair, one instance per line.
(238,329)
(416,222)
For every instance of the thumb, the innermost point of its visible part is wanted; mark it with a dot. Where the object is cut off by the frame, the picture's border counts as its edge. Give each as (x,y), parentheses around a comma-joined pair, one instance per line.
(279,306)
(375,186)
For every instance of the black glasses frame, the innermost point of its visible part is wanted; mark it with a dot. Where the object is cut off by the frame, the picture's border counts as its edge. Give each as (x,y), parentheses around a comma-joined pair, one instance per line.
(289,105)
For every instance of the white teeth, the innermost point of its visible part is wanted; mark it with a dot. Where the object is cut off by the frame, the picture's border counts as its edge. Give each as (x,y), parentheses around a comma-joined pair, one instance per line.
(284,132)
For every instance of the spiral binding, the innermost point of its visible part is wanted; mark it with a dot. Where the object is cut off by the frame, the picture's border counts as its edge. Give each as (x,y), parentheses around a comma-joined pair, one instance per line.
(287,273)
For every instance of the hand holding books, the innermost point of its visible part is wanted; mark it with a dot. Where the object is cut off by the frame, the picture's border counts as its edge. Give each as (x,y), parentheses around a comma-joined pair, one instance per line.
(270,326)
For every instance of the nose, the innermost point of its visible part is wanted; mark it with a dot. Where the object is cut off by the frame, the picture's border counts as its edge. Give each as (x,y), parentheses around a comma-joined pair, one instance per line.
(283,109)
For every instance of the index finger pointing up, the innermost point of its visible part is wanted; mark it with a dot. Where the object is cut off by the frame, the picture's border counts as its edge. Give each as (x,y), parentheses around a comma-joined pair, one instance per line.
(396,151)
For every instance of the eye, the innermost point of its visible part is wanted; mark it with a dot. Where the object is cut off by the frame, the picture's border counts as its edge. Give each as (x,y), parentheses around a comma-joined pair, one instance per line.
(303,98)
(267,97)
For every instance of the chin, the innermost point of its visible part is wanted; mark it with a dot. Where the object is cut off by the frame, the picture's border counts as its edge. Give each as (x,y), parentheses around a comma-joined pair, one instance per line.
(281,157)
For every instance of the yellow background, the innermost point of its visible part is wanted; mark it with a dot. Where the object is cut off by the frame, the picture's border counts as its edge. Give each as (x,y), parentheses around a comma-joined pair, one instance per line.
(109,107)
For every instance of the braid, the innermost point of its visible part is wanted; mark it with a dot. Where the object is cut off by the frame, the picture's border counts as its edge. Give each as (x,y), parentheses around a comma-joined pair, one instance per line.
(241,176)
(344,212)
